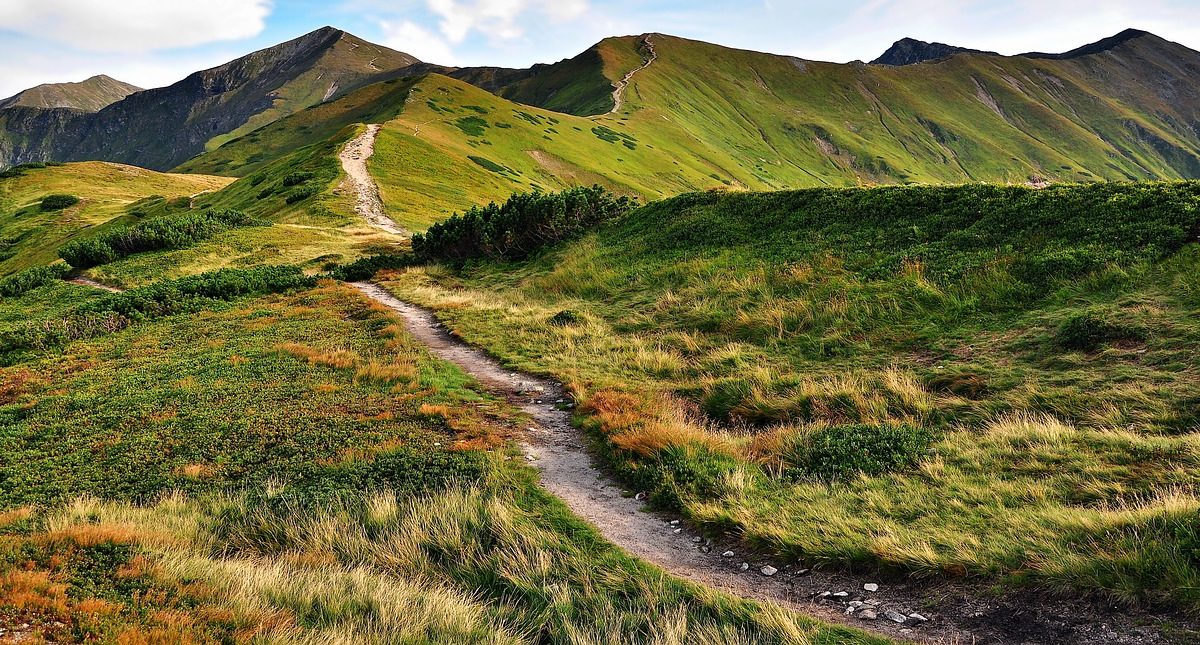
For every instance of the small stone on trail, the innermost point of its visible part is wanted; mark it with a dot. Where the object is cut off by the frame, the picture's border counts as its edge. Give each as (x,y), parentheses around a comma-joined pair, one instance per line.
(871,586)
(868,614)
(919,618)
(769,571)
(803,571)
(727,554)
(745,566)
(677,531)
(697,540)
(895,616)
(674,522)
(640,496)
(841,594)
(705,549)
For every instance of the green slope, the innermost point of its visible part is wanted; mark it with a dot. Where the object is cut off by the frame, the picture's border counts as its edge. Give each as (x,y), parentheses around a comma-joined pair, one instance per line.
(30,236)
(982,381)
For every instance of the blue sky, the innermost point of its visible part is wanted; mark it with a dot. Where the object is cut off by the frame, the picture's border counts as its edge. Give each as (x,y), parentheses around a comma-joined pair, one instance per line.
(156,42)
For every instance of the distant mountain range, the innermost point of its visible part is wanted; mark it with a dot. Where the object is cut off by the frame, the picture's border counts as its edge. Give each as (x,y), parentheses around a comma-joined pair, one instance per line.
(1126,107)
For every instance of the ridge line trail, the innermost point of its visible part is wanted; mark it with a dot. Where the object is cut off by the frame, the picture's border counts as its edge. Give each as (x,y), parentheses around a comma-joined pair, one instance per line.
(556,448)
(367,202)
(619,87)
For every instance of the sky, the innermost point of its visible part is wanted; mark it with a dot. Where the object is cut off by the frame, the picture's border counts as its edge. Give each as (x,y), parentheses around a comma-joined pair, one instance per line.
(152,43)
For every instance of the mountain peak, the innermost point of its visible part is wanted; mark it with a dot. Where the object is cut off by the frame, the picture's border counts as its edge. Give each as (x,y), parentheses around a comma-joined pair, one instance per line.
(90,95)
(909,51)
(1102,45)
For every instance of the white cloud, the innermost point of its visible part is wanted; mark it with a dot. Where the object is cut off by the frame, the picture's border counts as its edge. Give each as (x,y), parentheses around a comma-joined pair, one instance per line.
(414,39)
(498,21)
(135,25)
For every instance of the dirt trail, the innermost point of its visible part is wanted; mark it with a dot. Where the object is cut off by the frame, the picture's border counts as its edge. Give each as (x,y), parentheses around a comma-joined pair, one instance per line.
(368,204)
(568,471)
(954,612)
(619,87)
(88,282)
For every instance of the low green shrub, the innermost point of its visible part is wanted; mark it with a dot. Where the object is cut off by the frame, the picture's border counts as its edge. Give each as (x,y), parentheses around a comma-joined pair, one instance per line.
(302,193)
(522,226)
(165,232)
(116,311)
(565,318)
(366,268)
(58,202)
(295,178)
(30,279)
(1088,331)
(839,452)
(21,169)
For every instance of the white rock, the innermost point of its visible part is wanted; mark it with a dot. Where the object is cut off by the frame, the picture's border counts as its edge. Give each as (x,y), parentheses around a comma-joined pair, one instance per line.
(919,618)
(871,586)
(677,531)
(674,522)
(841,594)
(895,616)
(727,554)
(769,571)
(868,614)
(640,496)
(745,566)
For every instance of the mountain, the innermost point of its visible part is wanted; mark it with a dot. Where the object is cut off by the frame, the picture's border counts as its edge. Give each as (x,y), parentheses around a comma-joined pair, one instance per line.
(1124,108)
(909,51)
(163,127)
(693,115)
(1097,47)
(91,95)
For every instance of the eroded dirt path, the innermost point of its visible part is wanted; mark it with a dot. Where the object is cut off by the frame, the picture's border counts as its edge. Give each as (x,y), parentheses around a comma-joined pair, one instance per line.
(921,611)
(88,282)
(621,85)
(367,202)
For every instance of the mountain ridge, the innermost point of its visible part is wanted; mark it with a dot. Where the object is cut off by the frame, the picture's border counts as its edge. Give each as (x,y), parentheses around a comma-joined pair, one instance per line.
(89,95)
(162,127)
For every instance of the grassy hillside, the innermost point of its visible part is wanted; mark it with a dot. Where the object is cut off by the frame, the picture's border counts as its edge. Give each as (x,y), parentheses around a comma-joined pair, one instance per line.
(702,116)
(90,95)
(970,381)
(295,468)
(31,236)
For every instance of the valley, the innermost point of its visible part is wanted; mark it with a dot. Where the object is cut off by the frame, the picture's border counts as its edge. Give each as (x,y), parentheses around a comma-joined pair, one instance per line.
(667,342)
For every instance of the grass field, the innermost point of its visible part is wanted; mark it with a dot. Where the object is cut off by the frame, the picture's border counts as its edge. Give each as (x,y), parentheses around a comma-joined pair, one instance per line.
(973,381)
(294,468)
(32,236)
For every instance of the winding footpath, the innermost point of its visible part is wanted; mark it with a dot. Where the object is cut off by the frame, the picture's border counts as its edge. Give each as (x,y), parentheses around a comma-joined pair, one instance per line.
(559,451)
(620,86)
(951,612)
(367,202)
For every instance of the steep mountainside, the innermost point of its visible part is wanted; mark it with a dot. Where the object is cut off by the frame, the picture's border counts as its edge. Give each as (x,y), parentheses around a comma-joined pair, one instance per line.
(1125,108)
(91,95)
(909,51)
(163,127)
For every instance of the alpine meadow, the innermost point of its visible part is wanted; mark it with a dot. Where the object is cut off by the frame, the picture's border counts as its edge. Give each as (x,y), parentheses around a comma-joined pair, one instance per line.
(668,342)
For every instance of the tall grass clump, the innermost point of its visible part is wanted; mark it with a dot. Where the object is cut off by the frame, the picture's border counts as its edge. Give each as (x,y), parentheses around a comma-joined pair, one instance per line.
(520,227)
(166,232)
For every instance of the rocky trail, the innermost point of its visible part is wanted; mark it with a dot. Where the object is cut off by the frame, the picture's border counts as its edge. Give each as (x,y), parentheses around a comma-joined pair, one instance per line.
(367,202)
(620,86)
